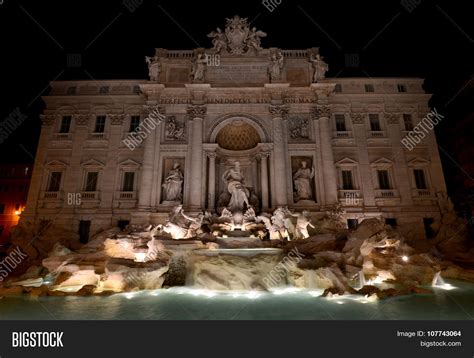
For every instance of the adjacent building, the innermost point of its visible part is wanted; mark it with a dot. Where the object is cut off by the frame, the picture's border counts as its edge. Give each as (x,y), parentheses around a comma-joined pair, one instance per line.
(14,183)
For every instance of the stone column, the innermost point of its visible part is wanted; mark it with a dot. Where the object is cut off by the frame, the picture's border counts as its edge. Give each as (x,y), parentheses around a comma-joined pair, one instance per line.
(279,113)
(264,178)
(152,119)
(211,184)
(196,115)
(365,170)
(400,168)
(322,112)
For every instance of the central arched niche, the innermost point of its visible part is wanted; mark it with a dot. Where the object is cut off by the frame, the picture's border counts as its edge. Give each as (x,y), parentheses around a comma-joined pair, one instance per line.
(238,135)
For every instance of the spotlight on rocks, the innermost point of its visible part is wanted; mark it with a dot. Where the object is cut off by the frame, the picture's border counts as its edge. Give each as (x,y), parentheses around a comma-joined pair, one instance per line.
(140,256)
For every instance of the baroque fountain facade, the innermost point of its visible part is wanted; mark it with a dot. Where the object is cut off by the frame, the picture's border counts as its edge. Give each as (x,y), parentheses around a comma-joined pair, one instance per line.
(236,168)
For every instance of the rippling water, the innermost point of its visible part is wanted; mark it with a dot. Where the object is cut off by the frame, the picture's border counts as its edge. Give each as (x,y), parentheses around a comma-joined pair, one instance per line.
(188,304)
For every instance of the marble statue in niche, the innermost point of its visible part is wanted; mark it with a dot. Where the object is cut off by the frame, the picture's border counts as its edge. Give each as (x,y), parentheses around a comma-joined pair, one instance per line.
(173,184)
(275,67)
(154,68)
(319,67)
(299,128)
(234,182)
(199,68)
(302,182)
(174,130)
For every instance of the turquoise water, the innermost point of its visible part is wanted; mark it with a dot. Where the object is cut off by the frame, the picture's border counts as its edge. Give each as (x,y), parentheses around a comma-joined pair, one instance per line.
(188,304)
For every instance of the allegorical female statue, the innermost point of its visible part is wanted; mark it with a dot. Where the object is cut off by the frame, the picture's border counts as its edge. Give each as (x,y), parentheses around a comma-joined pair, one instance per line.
(154,68)
(173,186)
(302,180)
(199,68)
(275,67)
(319,67)
(234,181)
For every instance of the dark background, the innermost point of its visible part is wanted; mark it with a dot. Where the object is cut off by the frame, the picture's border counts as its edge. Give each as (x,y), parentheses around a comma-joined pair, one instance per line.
(421,38)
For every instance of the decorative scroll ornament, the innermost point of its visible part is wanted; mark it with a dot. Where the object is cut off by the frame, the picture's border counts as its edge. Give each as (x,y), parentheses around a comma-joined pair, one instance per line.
(392,118)
(117,119)
(320,111)
(196,112)
(48,119)
(358,118)
(238,38)
(82,119)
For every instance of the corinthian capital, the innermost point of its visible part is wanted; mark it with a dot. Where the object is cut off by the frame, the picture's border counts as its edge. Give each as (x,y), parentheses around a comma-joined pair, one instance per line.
(320,111)
(278,110)
(196,112)
(117,119)
(48,119)
(154,113)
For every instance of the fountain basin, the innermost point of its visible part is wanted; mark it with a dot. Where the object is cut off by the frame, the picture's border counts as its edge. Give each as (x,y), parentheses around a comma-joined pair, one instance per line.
(247,252)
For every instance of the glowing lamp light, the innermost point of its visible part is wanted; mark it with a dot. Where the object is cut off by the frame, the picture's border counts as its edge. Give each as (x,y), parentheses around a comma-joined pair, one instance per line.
(17,212)
(405,258)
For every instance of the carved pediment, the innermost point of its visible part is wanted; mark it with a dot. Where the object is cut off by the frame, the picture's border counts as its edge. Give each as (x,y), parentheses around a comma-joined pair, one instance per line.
(92,163)
(418,162)
(382,162)
(129,164)
(56,164)
(346,162)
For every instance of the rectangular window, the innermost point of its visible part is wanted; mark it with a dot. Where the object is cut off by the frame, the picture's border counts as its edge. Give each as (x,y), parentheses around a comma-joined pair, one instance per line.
(104,90)
(340,122)
(2,208)
(65,124)
(54,181)
(369,88)
(374,123)
(71,90)
(407,120)
(402,88)
(384,182)
(347,183)
(99,124)
(136,90)
(134,123)
(91,181)
(338,88)
(420,180)
(128,178)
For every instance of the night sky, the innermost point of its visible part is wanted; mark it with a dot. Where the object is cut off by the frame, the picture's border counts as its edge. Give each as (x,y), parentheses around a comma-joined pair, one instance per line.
(421,38)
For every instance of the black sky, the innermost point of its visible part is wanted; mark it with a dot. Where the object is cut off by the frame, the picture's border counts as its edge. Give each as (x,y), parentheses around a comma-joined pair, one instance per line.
(428,39)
